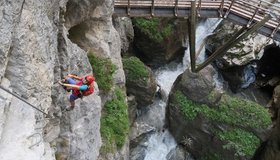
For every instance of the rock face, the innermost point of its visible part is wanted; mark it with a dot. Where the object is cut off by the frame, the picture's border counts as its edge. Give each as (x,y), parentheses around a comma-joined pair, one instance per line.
(140,81)
(79,11)
(238,65)
(35,52)
(268,66)
(124,27)
(269,149)
(96,33)
(28,60)
(250,48)
(178,154)
(203,81)
(268,78)
(93,31)
(156,53)
(240,77)
(264,71)
(211,124)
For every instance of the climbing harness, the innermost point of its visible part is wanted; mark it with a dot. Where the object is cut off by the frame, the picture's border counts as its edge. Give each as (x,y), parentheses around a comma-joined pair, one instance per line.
(24,101)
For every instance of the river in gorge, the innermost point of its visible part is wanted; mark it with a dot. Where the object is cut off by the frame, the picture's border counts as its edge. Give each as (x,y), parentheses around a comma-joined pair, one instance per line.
(158,143)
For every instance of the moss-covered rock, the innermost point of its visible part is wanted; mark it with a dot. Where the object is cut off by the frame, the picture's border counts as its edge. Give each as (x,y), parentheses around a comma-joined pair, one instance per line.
(230,128)
(139,81)
(114,123)
(103,70)
(158,40)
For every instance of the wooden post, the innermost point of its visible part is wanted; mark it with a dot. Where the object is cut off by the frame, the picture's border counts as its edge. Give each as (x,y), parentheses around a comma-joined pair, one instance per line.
(176,8)
(153,8)
(128,8)
(191,26)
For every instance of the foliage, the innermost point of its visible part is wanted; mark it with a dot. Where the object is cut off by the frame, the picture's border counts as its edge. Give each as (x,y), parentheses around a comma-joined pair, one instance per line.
(234,112)
(135,70)
(114,122)
(211,156)
(187,107)
(231,110)
(243,142)
(154,28)
(103,70)
(214,95)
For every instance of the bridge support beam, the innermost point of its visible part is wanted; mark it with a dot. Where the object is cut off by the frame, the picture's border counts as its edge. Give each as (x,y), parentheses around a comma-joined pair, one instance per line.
(237,37)
(191,30)
(128,8)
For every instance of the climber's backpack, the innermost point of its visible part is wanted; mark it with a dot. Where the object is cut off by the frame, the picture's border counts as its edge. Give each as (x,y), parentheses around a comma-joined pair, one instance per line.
(87,92)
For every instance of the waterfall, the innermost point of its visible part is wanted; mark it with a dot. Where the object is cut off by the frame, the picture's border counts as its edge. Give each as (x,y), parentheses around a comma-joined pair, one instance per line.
(204,29)
(160,142)
(159,152)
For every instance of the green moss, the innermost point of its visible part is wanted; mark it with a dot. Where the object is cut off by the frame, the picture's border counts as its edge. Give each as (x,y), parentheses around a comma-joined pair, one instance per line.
(243,142)
(214,96)
(231,110)
(103,70)
(239,112)
(153,28)
(135,70)
(211,156)
(234,112)
(187,106)
(114,122)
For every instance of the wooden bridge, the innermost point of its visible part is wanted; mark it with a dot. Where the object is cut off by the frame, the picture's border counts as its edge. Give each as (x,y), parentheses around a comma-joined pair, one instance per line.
(254,15)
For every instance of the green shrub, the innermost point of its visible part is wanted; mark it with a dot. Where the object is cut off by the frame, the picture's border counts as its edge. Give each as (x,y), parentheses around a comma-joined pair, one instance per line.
(187,106)
(103,70)
(114,122)
(231,110)
(243,142)
(239,112)
(234,112)
(212,156)
(135,70)
(153,28)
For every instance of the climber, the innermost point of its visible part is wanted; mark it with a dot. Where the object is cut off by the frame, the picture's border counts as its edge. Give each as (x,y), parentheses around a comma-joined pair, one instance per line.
(80,87)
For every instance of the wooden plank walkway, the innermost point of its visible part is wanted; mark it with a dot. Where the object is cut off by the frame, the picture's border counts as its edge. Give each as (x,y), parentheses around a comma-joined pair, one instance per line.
(242,12)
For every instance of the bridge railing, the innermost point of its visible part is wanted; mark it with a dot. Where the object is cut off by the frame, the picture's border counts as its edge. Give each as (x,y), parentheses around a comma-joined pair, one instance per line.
(252,10)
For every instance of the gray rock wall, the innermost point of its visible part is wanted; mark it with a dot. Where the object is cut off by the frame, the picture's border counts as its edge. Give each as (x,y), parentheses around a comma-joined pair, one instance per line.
(35,53)
(95,32)
(28,48)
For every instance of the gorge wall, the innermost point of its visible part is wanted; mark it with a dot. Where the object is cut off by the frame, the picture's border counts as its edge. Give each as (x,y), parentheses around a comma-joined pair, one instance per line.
(35,52)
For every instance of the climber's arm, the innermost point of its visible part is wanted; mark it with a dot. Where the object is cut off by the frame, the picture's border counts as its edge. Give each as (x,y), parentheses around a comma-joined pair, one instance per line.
(82,87)
(69,85)
(75,77)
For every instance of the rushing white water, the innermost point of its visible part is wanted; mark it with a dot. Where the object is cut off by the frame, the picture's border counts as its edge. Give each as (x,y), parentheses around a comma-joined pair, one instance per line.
(204,29)
(161,142)
(159,152)
(165,76)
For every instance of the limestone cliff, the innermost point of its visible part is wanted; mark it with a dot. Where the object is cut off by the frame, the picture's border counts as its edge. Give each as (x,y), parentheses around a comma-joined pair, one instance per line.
(35,52)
